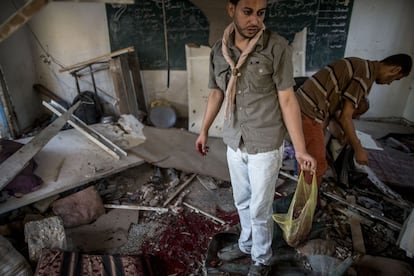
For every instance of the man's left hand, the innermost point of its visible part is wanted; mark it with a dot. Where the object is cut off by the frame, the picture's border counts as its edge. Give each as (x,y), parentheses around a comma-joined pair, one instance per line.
(306,162)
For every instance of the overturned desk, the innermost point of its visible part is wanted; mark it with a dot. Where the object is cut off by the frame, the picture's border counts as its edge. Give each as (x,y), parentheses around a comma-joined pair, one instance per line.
(70,160)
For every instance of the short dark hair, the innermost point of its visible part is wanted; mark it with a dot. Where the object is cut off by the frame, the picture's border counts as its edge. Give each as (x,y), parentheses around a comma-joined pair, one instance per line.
(402,60)
(234,2)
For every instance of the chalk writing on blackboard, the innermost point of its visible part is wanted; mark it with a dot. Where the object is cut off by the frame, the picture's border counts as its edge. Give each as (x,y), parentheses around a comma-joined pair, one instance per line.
(327,22)
(141,25)
(326,39)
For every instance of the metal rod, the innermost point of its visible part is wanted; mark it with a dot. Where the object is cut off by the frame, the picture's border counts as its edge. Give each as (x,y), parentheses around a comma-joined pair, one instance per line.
(288,175)
(136,207)
(391,223)
(167,56)
(93,79)
(77,82)
(188,181)
(204,213)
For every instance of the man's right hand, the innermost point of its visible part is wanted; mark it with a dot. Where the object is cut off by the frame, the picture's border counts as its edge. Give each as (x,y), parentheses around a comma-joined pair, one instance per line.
(201,144)
(361,156)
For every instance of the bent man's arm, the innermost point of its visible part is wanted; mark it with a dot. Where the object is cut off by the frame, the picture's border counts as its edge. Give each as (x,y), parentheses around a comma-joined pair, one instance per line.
(292,118)
(347,124)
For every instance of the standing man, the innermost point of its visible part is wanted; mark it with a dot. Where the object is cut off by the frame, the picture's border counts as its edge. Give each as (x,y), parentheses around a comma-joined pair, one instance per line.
(251,71)
(339,92)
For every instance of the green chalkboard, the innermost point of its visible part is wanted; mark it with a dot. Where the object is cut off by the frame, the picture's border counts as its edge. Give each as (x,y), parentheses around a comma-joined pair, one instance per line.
(142,25)
(327,23)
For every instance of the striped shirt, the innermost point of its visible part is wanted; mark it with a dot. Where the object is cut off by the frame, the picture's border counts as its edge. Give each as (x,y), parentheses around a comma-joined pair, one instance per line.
(322,95)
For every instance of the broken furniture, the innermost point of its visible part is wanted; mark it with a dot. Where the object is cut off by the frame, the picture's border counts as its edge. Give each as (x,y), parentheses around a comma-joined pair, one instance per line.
(15,163)
(95,136)
(70,160)
(126,77)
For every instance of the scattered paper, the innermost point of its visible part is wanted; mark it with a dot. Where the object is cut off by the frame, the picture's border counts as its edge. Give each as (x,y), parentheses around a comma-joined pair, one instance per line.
(367,141)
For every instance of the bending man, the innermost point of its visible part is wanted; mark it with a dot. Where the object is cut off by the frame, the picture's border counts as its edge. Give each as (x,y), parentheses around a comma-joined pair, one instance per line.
(339,91)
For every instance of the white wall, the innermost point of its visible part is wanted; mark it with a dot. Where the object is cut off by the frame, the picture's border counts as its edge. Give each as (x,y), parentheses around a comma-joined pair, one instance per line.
(380,28)
(76,32)
(70,33)
(409,107)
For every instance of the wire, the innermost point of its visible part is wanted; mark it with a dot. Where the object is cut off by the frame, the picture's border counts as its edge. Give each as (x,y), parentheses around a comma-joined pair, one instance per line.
(55,60)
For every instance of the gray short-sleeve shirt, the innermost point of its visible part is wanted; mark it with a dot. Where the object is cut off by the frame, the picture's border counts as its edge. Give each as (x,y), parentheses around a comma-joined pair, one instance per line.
(257,118)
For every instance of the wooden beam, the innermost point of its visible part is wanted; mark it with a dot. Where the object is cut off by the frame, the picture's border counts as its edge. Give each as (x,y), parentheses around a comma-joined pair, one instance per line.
(133,62)
(90,133)
(19,160)
(20,17)
(356,230)
(124,86)
(357,236)
(96,59)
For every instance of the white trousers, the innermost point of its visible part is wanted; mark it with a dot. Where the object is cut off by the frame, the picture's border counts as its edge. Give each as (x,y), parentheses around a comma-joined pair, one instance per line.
(253,179)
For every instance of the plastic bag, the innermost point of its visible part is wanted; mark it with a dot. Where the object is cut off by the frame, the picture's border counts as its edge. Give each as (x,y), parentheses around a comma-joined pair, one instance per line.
(297,222)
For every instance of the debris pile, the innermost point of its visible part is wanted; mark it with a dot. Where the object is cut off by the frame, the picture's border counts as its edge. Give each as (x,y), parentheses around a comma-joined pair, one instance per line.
(361,220)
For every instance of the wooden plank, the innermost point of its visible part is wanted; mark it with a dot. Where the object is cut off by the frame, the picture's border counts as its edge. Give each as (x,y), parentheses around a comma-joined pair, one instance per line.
(20,17)
(82,164)
(357,237)
(356,231)
(96,59)
(119,85)
(90,133)
(143,101)
(19,160)
(131,98)
(124,90)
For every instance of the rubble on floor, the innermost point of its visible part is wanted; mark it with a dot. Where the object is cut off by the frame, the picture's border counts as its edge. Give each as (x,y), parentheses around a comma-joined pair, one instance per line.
(175,217)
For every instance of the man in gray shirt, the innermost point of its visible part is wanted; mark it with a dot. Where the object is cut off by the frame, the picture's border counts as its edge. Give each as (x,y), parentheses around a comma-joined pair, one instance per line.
(251,72)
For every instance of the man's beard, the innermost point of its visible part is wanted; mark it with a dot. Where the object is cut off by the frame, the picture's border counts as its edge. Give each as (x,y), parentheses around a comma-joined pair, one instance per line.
(240,31)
